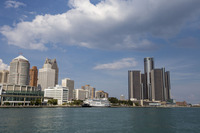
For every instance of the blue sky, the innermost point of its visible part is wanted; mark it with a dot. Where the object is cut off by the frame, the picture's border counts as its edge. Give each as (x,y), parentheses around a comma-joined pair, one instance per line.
(96,42)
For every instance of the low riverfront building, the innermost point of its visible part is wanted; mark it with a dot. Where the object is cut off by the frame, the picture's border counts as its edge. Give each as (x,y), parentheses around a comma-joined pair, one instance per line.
(15,94)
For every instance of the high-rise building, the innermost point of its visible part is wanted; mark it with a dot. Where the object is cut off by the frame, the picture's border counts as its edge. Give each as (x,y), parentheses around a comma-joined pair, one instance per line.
(153,85)
(54,66)
(91,91)
(168,85)
(80,94)
(101,94)
(46,77)
(4,76)
(70,85)
(135,85)
(19,71)
(148,66)
(33,76)
(160,88)
(122,97)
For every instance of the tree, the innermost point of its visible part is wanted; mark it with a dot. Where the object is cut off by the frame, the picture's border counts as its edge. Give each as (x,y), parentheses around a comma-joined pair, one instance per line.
(52,101)
(113,100)
(38,102)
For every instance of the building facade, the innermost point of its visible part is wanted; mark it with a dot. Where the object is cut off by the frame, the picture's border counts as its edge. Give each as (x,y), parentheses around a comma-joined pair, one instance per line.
(148,66)
(54,66)
(4,76)
(46,77)
(135,85)
(69,84)
(19,71)
(58,92)
(101,94)
(90,91)
(80,94)
(15,94)
(33,76)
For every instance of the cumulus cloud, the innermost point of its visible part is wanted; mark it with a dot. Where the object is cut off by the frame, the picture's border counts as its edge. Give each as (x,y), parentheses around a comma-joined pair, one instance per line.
(3,66)
(13,4)
(123,63)
(110,24)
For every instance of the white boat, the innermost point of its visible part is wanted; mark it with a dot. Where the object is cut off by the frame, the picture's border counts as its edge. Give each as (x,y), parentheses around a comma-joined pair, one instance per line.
(103,102)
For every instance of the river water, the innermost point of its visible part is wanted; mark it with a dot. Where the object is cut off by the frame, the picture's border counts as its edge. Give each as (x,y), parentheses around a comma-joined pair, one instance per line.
(99,120)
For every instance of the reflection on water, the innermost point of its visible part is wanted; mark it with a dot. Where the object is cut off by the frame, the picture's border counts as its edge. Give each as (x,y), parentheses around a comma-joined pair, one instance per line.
(118,120)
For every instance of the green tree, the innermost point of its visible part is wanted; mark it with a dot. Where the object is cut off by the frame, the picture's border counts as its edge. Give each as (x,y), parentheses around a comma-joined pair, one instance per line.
(6,103)
(52,101)
(38,102)
(113,100)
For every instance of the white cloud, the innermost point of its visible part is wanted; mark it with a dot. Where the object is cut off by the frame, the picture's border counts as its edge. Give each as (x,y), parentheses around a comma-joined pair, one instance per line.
(13,4)
(123,63)
(110,24)
(3,66)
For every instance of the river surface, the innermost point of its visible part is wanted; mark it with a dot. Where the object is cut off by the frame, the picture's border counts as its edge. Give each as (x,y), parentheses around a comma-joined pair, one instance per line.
(99,120)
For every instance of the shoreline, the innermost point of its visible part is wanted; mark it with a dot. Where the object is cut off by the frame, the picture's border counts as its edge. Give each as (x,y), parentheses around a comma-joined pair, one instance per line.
(78,106)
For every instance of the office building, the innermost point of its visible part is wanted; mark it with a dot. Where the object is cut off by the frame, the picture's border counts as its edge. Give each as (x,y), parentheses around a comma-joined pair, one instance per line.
(101,94)
(91,91)
(46,77)
(54,66)
(33,76)
(19,71)
(69,84)
(80,94)
(58,92)
(148,66)
(135,85)
(4,76)
(153,85)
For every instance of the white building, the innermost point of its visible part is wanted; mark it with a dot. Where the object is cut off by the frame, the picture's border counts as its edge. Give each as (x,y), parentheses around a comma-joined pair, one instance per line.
(80,94)
(60,93)
(70,85)
(19,71)
(46,77)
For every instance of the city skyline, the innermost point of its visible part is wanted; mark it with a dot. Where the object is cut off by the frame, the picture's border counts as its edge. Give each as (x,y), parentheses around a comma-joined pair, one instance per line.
(96,42)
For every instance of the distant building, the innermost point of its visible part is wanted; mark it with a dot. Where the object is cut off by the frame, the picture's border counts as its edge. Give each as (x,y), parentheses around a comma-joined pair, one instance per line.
(19,71)
(153,85)
(101,94)
(46,77)
(33,76)
(80,94)
(60,93)
(54,66)
(148,66)
(91,91)
(135,85)
(122,97)
(4,76)
(69,84)
(184,103)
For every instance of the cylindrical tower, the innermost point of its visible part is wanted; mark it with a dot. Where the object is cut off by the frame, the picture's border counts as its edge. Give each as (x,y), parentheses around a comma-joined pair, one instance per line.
(148,66)
(19,71)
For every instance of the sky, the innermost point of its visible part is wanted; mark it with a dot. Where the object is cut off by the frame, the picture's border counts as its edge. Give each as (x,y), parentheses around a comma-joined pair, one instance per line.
(96,42)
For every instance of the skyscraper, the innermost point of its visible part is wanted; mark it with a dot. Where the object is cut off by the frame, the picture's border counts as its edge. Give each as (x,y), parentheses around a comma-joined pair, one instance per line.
(46,77)
(54,66)
(91,91)
(33,76)
(19,71)
(69,84)
(4,76)
(135,85)
(153,85)
(148,66)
